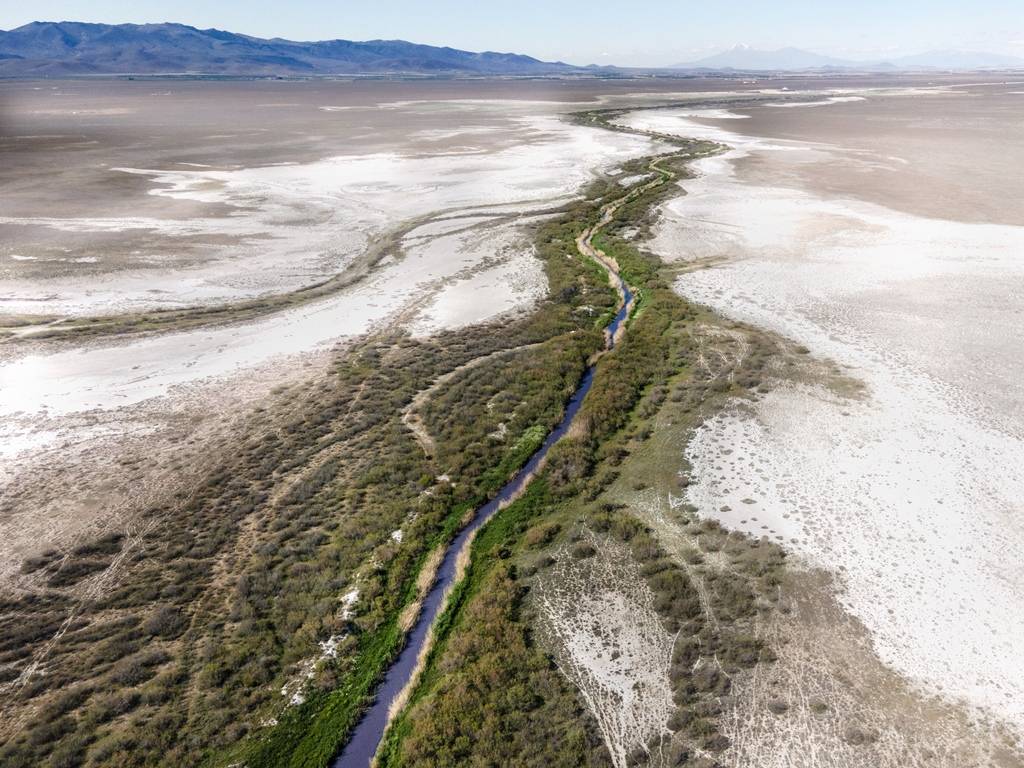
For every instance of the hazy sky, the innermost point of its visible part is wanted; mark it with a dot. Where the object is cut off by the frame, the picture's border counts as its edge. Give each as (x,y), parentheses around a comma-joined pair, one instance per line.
(641,32)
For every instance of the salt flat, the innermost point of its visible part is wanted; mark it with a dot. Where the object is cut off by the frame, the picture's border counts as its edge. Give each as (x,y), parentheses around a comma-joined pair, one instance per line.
(259,192)
(290,223)
(912,492)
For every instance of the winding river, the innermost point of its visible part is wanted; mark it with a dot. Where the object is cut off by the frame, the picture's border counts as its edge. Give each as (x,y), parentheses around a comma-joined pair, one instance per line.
(362,746)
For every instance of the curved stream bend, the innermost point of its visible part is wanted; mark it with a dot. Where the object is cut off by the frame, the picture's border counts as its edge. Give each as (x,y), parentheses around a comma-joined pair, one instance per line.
(362,746)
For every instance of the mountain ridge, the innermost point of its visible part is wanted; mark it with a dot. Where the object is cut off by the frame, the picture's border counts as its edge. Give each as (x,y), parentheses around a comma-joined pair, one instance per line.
(69,48)
(79,48)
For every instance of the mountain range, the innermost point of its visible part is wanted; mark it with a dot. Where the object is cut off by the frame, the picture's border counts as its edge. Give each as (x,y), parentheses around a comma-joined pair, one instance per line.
(44,49)
(745,58)
(75,48)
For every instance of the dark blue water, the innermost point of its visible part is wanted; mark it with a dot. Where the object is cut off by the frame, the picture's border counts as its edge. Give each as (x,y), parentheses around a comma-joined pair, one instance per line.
(370,730)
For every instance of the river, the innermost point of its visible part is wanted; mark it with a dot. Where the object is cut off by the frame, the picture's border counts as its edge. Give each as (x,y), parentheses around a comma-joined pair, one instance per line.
(366,737)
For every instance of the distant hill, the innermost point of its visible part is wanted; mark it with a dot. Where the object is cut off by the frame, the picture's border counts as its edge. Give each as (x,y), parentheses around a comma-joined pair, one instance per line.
(745,59)
(958,60)
(74,48)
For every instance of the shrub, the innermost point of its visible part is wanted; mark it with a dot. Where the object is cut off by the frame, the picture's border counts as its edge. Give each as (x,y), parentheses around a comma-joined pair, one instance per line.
(166,621)
(583,550)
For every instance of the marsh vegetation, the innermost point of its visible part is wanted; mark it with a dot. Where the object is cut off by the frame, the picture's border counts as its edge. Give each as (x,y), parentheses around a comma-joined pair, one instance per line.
(556,539)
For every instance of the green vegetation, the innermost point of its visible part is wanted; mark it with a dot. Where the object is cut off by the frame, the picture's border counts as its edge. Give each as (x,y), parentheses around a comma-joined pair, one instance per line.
(182,657)
(489,695)
(465,709)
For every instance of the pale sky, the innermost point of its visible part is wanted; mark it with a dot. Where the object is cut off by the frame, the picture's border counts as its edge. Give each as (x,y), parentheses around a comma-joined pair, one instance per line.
(637,33)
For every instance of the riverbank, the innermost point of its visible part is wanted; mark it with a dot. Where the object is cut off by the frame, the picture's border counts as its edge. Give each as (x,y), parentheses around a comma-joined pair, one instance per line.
(402,677)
